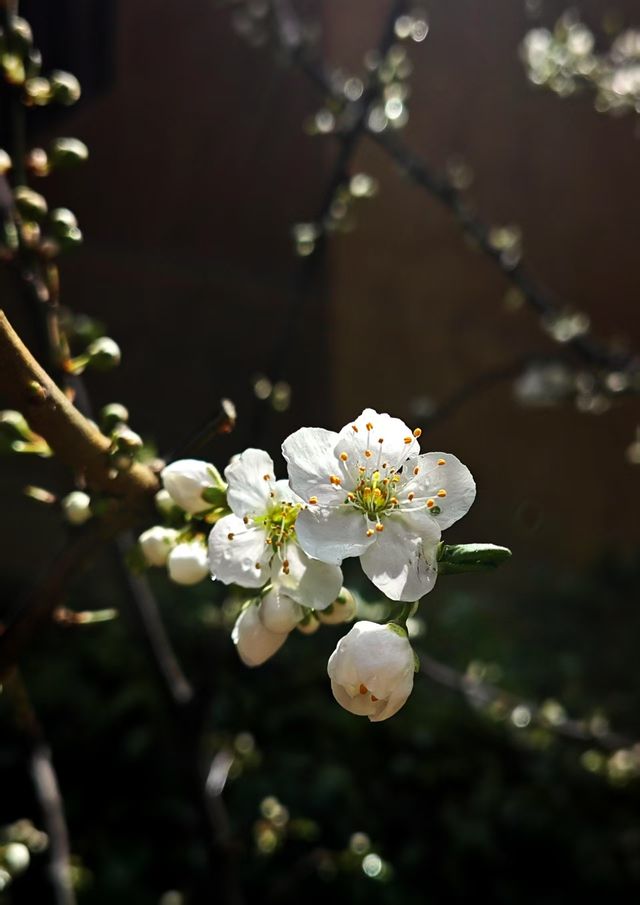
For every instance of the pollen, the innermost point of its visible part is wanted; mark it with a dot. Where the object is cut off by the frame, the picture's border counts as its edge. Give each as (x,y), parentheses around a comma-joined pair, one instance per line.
(417,432)
(335,480)
(368,453)
(370,532)
(230,535)
(266,477)
(285,566)
(246,519)
(408,440)
(394,500)
(351,497)
(313,500)
(416,470)
(442,461)
(379,527)
(258,566)
(344,456)
(354,428)
(380,439)
(363,689)
(369,426)
(430,504)
(442,492)
(411,497)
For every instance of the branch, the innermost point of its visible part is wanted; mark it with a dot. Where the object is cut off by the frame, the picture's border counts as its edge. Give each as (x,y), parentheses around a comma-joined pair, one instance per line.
(75,440)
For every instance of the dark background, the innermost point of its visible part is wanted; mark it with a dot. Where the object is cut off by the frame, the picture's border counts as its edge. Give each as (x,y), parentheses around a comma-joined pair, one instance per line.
(199,168)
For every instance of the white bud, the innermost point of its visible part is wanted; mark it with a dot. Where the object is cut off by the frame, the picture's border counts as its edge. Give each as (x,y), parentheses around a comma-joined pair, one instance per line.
(372,669)
(16,857)
(185,481)
(343,609)
(279,613)
(104,353)
(255,643)
(187,563)
(76,507)
(309,625)
(156,544)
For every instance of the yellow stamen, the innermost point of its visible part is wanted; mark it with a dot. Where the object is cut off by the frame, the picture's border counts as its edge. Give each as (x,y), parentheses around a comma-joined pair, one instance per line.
(344,456)
(442,492)
(313,500)
(335,480)
(369,426)
(417,432)
(370,532)
(430,504)
(379,527)
(442,461)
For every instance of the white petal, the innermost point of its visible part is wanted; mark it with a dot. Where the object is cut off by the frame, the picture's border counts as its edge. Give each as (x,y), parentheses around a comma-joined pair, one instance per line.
(386,439)
(333,534)
(398,697)
(309,582)
(187,563)
(251,478)
(452,477)
(185,480)
(360,704)
(400,564)
(282,493)
(238,553)
(255,643)
(311,461)
(279,613)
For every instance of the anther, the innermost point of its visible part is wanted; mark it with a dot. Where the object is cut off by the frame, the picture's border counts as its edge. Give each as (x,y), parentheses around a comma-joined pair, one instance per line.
(344,456)
(430,504)
(370,532)
(230,535)
(442,461)
(380,439)
(354,428)
(374,699)
(363,689)
(394,501)
(411,497)
(285,566)
(417,432)
(313,500)
(379,527)
(369,426)
(416,470)
(408,440)
(368,453)
(258,566)
(335,480)
(266,477)
(442,492)
(245,519)
(351,497)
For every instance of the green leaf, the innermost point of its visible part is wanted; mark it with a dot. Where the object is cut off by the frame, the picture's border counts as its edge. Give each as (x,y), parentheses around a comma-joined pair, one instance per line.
(456,558)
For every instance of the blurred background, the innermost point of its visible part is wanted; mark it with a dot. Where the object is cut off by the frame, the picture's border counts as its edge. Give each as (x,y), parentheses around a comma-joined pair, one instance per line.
(225,255)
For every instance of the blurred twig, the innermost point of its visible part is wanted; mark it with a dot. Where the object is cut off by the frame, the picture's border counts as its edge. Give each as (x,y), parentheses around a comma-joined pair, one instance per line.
(47,790)
(485,694)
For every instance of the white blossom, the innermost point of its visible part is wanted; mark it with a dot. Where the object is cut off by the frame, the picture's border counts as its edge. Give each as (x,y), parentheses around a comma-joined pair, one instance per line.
(156,544)
(372,669)
(187,563)
(257,543)
(369,493)
(254,642)
(187,479)
(76,507)
(279,613)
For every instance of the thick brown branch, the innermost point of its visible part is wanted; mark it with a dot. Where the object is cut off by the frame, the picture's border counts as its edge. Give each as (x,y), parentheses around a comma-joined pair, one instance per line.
(77,442)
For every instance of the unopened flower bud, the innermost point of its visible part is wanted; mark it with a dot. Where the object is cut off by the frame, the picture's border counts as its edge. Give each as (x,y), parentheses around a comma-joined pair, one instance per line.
(104,353)
(279,613)
(112,415)
(21,32)
(164,504)
(156,543)
(187,563)
(76,507)
(5,162)
(372,669)
(194,485)
(126,440)
(67,152)
(309,625)
(343,609)
(13,425)
(37,91)
(30,204)
(255,643)
(65,87)
(16,857)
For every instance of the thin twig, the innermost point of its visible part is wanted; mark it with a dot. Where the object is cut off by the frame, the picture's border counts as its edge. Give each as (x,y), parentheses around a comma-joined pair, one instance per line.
(47,790)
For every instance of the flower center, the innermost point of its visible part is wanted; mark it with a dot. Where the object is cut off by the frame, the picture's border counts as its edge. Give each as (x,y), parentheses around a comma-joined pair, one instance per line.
(374,494)
(279,523)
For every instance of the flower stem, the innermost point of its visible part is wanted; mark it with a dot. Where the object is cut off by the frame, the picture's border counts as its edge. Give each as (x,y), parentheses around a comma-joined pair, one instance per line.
(406,611)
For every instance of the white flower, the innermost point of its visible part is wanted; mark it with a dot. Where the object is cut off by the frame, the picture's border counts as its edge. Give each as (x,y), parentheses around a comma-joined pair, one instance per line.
(187,479)
(371,494)
(76,507)
(371,670)
(254,642)
(257,543)
(187,562)
(156,544)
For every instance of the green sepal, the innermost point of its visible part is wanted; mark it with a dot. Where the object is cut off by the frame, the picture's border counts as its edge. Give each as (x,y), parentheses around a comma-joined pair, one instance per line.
(416,662)
(398,629)
(457,558)
(216,496)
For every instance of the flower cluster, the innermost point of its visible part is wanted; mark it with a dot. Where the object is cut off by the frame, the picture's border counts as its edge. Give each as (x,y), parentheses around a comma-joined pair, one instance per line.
(366,491)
